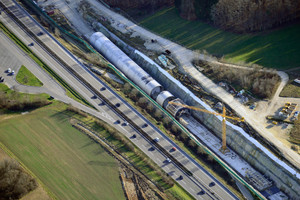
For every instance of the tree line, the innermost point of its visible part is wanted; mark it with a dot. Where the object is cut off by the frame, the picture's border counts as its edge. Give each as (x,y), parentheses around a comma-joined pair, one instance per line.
(241,15)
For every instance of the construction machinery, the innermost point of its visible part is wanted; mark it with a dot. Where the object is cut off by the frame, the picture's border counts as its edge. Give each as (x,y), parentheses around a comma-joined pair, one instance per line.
(223,115)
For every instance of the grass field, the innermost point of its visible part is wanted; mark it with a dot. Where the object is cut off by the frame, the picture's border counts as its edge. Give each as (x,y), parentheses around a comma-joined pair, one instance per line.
(275,49)
(25,77)
(70,164)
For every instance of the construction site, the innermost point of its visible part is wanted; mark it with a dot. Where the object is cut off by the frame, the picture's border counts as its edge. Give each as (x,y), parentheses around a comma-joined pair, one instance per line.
(221,124)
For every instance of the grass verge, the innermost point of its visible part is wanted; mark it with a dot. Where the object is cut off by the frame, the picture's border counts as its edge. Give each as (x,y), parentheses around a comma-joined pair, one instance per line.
(25,77)
(278,49)
(70,91)
(70,164)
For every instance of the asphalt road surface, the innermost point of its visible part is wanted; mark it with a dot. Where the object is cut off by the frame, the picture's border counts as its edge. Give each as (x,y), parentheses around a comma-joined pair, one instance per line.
(201,179)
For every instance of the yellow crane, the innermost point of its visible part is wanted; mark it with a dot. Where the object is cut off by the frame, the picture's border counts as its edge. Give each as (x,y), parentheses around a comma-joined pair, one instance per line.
(223,148)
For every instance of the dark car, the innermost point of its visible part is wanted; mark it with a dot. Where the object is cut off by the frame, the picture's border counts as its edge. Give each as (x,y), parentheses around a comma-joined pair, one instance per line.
(202,192)
(145,125)
(180,177)
(212,184)
(118,104)
(102,89)
(134,136)
(31,44)
(40,33)
(118,122)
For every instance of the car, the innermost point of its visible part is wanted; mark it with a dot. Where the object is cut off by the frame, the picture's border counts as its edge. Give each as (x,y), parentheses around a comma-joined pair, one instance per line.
(103,88)
(151,149)
(31,44)
(156,139)
(8,70)
(180,177)
(211,184)
(134,136)
(94,97)
(117,122)
(125,124)
(296,113)
(168,160)
(274,122)
(118,104)
(40,33)
(202,192)
(173,149)
(145,125)
(12,72)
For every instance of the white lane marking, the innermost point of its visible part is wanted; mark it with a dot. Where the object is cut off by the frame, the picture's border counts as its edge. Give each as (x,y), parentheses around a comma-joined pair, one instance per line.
(183,182)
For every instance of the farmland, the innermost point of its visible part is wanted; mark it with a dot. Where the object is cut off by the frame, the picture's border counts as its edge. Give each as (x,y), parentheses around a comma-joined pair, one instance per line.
(66,161)
(278,49)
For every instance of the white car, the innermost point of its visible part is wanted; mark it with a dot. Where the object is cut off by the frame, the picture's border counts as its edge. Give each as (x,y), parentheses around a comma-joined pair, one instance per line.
(296,113)
(168,160)
(8,70)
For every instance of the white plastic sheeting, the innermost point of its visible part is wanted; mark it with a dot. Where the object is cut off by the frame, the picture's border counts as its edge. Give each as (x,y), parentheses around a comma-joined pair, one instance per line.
(125,64)
(164,97)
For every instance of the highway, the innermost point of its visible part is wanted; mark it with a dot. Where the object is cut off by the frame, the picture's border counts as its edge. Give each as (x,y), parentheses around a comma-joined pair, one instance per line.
(193,184)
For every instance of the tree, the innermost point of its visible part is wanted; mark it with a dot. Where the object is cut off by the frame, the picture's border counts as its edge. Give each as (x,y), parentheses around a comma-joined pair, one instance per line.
(14,182)
(143,102)
(158,115)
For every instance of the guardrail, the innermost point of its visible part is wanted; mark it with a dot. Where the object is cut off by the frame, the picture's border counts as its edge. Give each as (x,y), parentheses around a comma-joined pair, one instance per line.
(208,151)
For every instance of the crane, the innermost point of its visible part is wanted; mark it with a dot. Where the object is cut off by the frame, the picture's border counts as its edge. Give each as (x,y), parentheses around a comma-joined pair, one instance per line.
(223,114)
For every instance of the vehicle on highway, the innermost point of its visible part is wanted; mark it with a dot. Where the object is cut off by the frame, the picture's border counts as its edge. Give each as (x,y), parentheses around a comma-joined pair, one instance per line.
(94,97)
(211,184)
(31,44)
(156,139)
(40,33)
(125,124)
(180,177)
(118,104)
(117,122)
(103,88)
(168,160)
(134,136)
(202,192)
(173,149)
(145,125)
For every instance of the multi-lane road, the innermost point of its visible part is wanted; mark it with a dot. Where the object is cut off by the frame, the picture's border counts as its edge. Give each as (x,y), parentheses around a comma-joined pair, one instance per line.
(201,179)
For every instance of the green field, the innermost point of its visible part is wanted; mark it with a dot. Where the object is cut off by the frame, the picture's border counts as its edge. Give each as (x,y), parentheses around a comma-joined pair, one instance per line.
(275,49)
(71,165)
(25,77)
